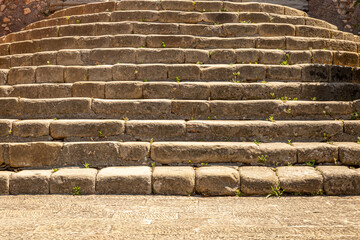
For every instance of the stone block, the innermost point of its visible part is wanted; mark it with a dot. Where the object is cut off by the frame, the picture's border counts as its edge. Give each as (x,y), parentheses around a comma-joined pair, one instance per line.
(274,30)
(217,181)
(139,5)
(175,5)
(100,154)
(346,59)
(54,44)
(352,127)
(254,17)
(75,74)
(349,153)
(21,60)
(113,28)
(298,179)
(21,75)
(160,90)
(4,182)
(271,43)
(213,6)
(340,180)
(156,129)
(55,108)
(318,152)
(190,108)
(9,107)
(54,91)
(242,7)
(3,77)
(161,56)
(88,89)
(179,17)
(340,73)
(90,42)
(145,16)
(145,72)
(184,72)
(121,180)
(284,72)
(30,182)
(141,109)
(61,129)
(69,57)
(100,73)
(309,31)
(247,55)
(99,7)
(240,30)
(220,17)
(44,58)
(257,180)
(124,90)
(89,18)
(173,180)
(275,57)
(316,72)
(196,91)
(23,47)
(204,43)
(64,180)
(222,56)
(5,128)
(5,62)
(341,45)
(122,72)
(31,128)
(79,29)
(196,56)
(202,30)
(218,73)
(112,56)
(299,57)
(300,43)
(158,41)
(128,40)
(50,74)
(156,28)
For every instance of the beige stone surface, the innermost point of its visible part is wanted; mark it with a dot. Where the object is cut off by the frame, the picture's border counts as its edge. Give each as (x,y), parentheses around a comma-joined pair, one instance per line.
(173,180)
(64,180)
(320,152)
(124,180)
(31,128)
(257,180)
(340,180)
(30,182)
(349,153)
(298,179)
(217,180)
(4,181)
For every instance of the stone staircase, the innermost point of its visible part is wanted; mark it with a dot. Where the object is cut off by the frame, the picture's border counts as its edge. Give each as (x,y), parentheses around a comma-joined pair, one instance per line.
(180,98)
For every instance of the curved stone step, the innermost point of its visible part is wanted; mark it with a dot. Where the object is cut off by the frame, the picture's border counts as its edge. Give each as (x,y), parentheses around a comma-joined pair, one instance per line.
(150,51)
(87,108)
(275,43)
(112,153)
(229,28)
(187,90)
(206,180)
(234,73)
(179,130)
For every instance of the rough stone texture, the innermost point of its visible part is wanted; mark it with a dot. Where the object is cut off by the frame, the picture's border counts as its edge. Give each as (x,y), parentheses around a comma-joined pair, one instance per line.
(4,181)
(349,153)
(30,182)
(297,179)
(217,180)
(340,180)
(173,180)
(31,128)
(5,127)
(257,180)
(35,154)
(320,152)
(64,180)
(124,180)
(88,89)
(86,128)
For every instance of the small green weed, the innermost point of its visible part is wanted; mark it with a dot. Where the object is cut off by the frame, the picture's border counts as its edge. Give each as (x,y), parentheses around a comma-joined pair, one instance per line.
(257,142)
(271,118)
(286,62)
(86,165)
(311,163)
(276,192)
(55,169)
(262,158)
(76,190)
(163,45)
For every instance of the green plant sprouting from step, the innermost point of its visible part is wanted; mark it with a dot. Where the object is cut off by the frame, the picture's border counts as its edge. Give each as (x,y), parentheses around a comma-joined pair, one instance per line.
(311,163)
(76,190)
(257,142)
(271,118)
(163,45)
(86,165)
(286,62)
(358,140)
(238,193)
(289,142)
(177,79)
(276,192)
(236,75)
(355,116)
(55,169)
(262,158)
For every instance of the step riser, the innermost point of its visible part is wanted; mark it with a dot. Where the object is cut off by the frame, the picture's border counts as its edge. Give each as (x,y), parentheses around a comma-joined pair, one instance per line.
(116,130)
(183,72)
(289,43)
(86,108)
(208,181)
(188,91)
(216,56)
(103,154)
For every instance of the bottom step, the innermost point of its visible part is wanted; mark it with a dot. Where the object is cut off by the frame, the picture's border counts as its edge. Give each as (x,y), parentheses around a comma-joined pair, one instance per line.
(205,180)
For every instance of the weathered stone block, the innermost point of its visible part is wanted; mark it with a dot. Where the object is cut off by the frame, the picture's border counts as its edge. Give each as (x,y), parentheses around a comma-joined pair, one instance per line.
(44,58)
(254,17)
(349,153)
(196,91)
(297,179)
(190,108)
(88,89)
(123,90)
(240,30)
(217,180)
(31,128)
(9,107)
(50,74)
(121,180)
(318,152)
(75,74)
(202,30)
(64,180)
(21,75)
(275,57)
(145,16)
(69,57)
(257,180)
(156,28)
(179,17)
(124,72)
(346,59)
(146,72)
(5,128)
(161,56)
(318,73)
(299,57)
(86,128)
(173,180)
(247,56)
(100,73)
(184,72)
(160,90)
(217,73)
(273,30)
(129,40)
(340,180)
(309,31)
(170,41)
(196,56)
(112,56)
(30,182)
(113,28)
(284,72)
(4,181)
(220,17)
(271,43)
(222,56)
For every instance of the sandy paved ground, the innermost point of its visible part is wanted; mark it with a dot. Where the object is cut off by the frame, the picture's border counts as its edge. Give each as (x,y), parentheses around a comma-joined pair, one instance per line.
(157,217)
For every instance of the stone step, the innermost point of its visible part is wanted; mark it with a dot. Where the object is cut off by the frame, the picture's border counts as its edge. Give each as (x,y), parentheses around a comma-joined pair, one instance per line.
(178,130)
(198,6)
(187,90)
(250,24)
(234,73)
(114,153)
(88,108)
(205,180)
(169,41)
(150,51)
